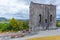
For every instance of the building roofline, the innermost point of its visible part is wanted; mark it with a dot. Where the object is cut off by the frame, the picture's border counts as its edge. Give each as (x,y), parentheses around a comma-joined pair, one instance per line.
(43,4)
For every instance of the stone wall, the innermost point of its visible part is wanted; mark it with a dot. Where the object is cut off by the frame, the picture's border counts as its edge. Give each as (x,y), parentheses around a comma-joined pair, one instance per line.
(40,16)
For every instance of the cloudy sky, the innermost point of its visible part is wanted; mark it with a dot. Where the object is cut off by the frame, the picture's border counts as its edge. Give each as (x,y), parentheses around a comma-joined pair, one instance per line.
(19,9)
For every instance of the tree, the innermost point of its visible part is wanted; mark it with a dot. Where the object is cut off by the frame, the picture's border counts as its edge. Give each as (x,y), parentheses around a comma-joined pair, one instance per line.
(20,25)
(13,24)
(25,25)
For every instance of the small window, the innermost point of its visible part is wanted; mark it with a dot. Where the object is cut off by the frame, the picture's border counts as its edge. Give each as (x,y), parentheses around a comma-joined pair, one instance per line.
(45,20)
(40,18)
(50,18)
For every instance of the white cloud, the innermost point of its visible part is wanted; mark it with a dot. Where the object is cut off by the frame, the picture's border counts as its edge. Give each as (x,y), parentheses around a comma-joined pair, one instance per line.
(13,7)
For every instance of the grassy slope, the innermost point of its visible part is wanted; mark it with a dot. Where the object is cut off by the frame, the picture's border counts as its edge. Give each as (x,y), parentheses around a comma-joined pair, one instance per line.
(46,38)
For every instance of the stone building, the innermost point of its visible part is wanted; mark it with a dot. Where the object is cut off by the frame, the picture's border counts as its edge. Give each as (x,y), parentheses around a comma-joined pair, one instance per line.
(42,16)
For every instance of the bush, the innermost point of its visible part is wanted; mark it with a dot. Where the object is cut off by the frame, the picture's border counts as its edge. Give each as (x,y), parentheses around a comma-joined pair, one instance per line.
(58,24)
(4,27)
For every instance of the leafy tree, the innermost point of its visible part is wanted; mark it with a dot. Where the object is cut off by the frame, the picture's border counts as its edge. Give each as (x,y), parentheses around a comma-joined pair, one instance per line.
(20,25)
(17,25)
(13,24)
(25,25)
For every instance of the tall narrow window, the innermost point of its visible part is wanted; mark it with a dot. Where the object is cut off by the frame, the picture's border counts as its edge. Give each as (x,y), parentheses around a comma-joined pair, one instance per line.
(50,18)
(45,20)
(40,18)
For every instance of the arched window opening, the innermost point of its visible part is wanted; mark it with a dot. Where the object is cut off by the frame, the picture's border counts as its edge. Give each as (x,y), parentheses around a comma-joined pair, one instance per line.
(50,18)
(45,20)
(40,18)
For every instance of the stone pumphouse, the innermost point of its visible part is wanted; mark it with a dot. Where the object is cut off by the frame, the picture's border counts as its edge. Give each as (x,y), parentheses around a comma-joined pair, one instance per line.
(42,16)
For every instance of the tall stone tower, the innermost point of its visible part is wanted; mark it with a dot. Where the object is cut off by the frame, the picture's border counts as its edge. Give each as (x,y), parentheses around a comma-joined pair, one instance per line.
(42,16)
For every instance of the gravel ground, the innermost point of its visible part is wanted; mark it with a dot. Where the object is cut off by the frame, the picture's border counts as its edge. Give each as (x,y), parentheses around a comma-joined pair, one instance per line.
(39,34)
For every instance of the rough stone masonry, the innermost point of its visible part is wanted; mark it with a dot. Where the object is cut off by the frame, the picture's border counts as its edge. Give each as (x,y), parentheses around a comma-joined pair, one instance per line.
(42,17)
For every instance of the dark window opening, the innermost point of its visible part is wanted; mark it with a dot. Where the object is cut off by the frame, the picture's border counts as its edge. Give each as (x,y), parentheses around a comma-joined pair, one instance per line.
(50,18)
(45,20)
(40,18)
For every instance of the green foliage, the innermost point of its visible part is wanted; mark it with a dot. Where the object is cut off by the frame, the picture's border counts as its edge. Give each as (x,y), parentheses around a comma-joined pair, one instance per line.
(58,24)
(14,25)
(4,27)
(18,25)
(12,22)
(25,25)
